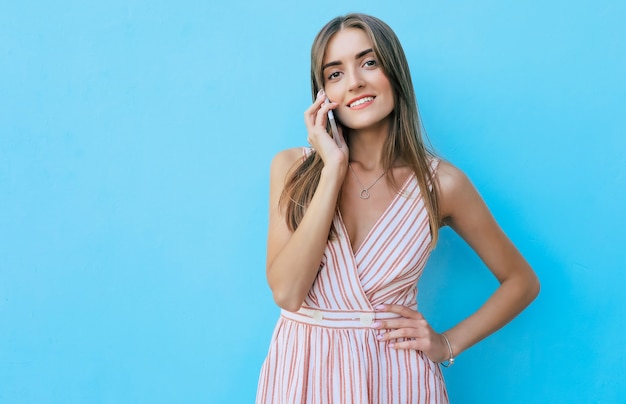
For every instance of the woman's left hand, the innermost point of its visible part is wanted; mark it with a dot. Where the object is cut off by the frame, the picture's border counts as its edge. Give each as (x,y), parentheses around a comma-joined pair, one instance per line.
(414,329)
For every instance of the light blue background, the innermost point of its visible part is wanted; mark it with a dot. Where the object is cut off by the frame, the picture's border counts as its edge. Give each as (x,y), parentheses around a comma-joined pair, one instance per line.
(135,142)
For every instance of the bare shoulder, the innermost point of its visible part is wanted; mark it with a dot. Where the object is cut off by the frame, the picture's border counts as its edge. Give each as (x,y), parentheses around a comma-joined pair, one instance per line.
(286,160)
(456,191)
(283,164)
(451,180)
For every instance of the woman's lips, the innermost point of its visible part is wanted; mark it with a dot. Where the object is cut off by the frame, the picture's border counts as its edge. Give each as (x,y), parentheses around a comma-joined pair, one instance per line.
(361,102)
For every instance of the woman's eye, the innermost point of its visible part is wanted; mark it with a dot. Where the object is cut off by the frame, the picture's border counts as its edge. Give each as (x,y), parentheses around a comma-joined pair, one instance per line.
(333,75)
(370,63)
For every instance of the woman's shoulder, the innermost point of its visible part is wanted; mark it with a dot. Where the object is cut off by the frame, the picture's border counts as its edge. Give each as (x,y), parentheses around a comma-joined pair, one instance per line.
(292,154)
(448,175)
(287,159)
(454,186)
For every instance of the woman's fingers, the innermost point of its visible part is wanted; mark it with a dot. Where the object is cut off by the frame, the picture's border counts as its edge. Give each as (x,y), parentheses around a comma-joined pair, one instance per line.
(402,328)
(399,309)
(400,322)
(425,340)
(333,153)
(410,338)
(321,118)
(410,331)
(410,323)
(312,114)
(316,119)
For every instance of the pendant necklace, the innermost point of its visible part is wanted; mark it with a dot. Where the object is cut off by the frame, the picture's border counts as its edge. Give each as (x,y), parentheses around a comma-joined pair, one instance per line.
(365,192)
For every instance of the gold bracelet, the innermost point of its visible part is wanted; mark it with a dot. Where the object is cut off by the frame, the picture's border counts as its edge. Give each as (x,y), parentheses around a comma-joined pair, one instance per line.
(450,361)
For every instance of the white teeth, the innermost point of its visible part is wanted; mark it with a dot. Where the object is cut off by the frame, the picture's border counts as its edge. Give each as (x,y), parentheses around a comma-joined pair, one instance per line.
(361,101)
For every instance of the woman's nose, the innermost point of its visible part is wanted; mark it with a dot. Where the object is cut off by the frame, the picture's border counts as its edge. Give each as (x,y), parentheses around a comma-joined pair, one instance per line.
(355,81)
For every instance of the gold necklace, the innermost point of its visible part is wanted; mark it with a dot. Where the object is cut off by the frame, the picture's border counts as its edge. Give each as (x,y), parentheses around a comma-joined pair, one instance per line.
(365,192)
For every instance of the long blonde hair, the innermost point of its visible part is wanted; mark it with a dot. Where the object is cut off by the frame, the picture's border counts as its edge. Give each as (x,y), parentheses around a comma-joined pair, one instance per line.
(405,141)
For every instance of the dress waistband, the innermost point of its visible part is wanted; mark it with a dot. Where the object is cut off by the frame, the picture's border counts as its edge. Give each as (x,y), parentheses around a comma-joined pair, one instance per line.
(336,318)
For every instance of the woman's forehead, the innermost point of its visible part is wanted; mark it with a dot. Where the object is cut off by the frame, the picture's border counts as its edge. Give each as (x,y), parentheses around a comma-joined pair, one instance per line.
(346,44)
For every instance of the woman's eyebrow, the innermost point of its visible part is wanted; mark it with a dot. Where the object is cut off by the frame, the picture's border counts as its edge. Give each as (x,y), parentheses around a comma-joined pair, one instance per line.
(358,56)
(363,53)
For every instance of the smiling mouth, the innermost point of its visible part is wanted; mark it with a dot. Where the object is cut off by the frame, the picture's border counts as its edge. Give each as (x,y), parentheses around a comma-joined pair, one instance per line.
(361,101)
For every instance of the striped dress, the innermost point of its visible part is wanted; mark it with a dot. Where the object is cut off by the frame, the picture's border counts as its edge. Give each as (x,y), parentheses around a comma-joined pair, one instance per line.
(327,352)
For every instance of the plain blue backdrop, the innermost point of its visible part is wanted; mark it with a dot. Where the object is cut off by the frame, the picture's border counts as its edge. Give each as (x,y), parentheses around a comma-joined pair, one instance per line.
(135,142)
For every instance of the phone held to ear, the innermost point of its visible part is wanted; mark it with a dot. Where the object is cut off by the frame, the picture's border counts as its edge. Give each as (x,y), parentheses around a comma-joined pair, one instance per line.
(333,124)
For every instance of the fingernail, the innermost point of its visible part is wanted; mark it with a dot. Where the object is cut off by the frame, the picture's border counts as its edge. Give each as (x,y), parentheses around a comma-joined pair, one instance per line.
(379,337)
(380,307)
(375,324)
(320,93)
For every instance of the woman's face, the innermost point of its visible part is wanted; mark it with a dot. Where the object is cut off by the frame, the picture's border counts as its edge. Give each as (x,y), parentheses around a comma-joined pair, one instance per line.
(354,78)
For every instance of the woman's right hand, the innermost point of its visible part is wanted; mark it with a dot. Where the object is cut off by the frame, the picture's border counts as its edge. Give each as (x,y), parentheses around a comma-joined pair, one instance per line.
(334,154)
(293,257)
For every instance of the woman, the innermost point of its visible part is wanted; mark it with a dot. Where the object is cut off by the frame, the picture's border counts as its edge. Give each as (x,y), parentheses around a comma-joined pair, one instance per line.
(352,223)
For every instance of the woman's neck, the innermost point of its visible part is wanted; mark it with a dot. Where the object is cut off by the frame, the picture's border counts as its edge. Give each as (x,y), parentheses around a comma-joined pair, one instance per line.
(366,146)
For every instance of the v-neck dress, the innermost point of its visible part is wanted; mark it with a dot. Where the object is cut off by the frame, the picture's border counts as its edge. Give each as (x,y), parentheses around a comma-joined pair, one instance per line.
(326,352)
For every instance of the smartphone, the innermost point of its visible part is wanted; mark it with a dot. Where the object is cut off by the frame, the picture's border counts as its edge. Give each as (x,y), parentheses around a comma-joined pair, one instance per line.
(333,124)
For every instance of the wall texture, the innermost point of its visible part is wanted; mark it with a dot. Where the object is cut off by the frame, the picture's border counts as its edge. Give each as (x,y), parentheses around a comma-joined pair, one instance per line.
(135,141)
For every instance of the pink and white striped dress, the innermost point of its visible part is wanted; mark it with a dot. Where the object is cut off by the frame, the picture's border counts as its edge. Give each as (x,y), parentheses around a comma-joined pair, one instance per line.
(327,352)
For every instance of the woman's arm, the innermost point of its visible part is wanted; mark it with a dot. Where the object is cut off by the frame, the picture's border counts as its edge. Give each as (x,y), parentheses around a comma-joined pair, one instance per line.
(293,258)
(464,210)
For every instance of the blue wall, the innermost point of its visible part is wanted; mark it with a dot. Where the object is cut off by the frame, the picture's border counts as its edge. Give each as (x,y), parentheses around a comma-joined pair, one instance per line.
(135,141)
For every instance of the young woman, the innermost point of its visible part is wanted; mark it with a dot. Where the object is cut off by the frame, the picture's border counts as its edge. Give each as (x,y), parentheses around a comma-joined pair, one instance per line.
(352,222)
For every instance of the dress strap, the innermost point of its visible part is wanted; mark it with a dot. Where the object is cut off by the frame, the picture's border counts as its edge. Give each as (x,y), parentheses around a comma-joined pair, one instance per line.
(434,164)
(306,152)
